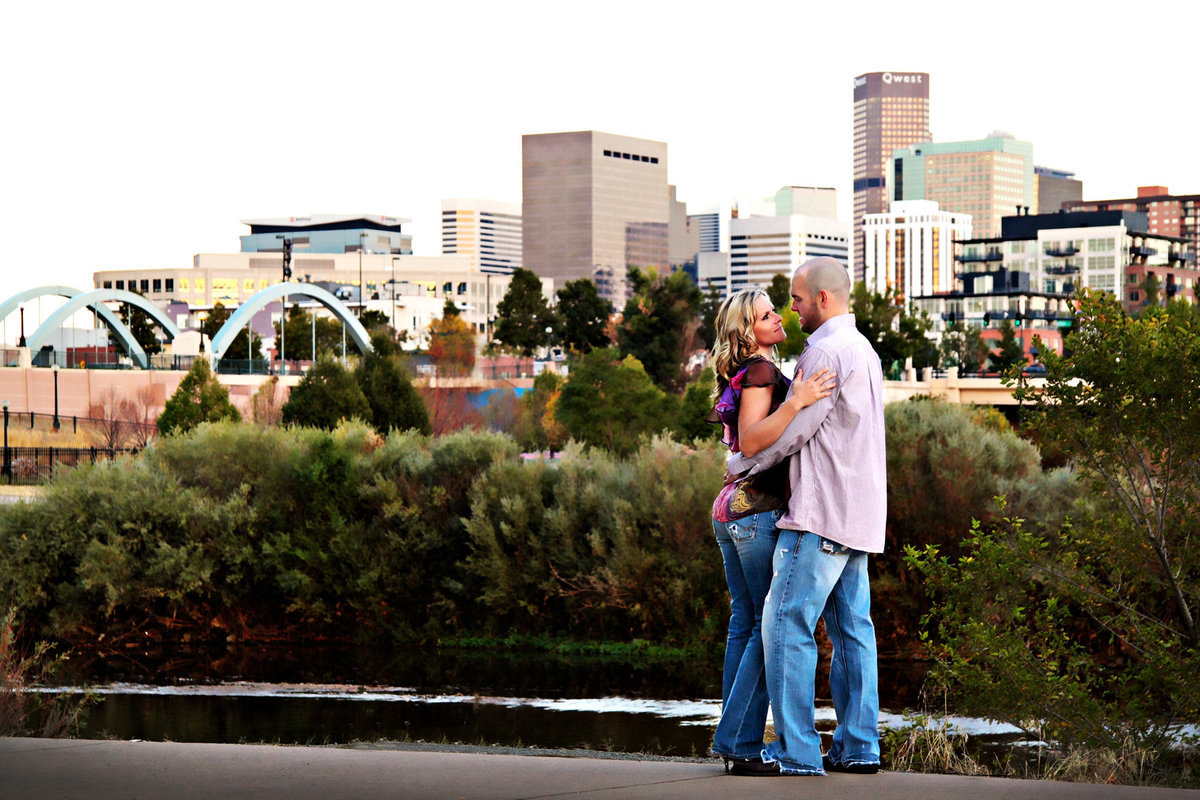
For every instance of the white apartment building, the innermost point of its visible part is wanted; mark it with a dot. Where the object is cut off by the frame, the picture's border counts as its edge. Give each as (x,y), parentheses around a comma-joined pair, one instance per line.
(487,232)
(910,248)
(762,247)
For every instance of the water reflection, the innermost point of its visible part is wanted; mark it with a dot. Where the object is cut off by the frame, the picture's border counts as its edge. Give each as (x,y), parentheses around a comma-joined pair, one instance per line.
(332,695)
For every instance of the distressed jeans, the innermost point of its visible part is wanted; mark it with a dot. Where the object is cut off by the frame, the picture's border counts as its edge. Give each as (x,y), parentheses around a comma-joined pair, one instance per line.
(747,548)
(814,579)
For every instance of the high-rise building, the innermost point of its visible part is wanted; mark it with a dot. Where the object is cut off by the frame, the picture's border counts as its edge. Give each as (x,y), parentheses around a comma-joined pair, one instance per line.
(911,248)
(1055,188)
(487,232)
(987,178)
(1167,214)
(593,205)
(891,111)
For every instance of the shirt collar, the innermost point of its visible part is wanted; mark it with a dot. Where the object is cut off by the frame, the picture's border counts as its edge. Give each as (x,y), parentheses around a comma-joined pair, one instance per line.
(830,326)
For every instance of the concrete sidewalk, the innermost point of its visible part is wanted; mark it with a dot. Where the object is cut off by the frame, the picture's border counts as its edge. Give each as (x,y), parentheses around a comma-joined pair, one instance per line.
(58,769)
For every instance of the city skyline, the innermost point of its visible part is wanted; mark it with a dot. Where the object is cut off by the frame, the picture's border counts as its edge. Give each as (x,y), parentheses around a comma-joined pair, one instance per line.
(141,135)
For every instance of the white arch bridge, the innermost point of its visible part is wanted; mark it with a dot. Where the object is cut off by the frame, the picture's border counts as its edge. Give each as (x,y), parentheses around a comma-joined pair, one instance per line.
(96,300)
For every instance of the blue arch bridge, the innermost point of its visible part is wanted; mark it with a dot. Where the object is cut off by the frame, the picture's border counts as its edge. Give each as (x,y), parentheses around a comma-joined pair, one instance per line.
(181,347)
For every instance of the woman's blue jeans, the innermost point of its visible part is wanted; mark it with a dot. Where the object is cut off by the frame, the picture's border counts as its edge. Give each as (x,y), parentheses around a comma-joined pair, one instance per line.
(819,579)
(747,548)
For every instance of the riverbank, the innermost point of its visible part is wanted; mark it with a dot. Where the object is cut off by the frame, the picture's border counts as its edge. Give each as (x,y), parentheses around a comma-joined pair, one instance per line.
(67,769)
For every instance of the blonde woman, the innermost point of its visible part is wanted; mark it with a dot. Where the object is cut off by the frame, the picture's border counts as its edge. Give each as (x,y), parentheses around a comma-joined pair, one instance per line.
(751,404)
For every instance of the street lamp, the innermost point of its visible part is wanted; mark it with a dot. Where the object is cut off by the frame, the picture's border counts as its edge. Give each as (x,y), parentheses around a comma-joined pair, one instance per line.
(54,369)
(549,341)
(7,459)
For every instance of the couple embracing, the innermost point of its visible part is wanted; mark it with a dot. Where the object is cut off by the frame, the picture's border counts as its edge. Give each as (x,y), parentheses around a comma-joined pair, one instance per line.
(805,502)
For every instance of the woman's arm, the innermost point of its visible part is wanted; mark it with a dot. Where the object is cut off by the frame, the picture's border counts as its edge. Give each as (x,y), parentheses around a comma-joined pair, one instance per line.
(758,429)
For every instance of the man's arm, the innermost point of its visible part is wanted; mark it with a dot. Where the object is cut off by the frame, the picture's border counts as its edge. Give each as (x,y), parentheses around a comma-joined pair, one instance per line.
(799,430)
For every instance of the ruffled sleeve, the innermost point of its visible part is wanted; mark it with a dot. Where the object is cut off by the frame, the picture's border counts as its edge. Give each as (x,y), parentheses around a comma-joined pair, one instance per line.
(760,373)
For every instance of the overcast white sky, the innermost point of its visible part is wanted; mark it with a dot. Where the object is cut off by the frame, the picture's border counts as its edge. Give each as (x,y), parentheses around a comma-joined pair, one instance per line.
(138,134)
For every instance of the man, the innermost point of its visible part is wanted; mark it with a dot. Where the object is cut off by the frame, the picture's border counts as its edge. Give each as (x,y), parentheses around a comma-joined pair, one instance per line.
(835,517)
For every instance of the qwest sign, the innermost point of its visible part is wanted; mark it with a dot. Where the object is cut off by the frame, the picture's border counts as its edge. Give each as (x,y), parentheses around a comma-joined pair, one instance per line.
(893,77)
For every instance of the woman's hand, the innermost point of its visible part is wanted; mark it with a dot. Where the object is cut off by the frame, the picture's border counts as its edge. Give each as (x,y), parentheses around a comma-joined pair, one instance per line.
(807,392)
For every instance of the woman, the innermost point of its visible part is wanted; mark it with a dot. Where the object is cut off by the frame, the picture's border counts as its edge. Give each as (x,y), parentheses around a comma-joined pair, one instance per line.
(751,405)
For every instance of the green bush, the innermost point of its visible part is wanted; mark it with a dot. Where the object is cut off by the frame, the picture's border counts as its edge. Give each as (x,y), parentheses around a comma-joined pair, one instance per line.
(599,546)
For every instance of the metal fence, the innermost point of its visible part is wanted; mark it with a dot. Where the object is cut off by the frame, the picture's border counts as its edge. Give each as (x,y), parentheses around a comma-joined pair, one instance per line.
(29,466)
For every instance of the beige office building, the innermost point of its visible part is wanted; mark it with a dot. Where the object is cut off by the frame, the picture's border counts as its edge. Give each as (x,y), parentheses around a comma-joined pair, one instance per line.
(593,205)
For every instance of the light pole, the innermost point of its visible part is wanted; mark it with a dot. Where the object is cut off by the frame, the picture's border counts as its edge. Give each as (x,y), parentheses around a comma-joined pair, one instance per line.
(287,276)
(362,297)
(54,369)
(549,341)
(394,260)
(7,460)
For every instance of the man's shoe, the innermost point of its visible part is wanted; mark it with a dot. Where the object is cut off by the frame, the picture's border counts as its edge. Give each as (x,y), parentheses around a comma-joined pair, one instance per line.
(854,768)
(751,766)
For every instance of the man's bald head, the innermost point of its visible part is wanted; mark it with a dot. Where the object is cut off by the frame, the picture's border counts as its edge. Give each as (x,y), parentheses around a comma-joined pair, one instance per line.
(820,290)
(828,275)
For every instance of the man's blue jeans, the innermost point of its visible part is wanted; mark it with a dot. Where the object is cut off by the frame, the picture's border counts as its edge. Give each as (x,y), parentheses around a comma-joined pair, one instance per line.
(819,579)
(747,548)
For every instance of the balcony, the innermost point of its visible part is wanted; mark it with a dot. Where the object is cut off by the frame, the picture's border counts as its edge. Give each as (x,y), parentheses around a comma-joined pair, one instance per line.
(1061,250)
(1176,255)
(978,258)
(1061,269)
(1142,251)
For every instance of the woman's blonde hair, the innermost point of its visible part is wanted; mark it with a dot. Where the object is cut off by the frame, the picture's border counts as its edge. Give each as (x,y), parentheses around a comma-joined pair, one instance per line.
(734,343)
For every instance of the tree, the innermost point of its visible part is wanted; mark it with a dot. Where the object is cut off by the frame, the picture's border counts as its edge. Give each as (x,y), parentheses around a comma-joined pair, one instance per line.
(583,316)
(199,398)
(545,432)
(610,402)
(395,403)
(708,315)
(660,323)
(522,315)
(963,347)
(302,326)
(792,346)
(113,419)
(326,395)
(213,323)
(697,402)
(265,406)
(780,291)
(373,319)
(141,325)
(1010,353)
(1091,627)
(1151,288)
(876,317)
(452,345)
(915,326)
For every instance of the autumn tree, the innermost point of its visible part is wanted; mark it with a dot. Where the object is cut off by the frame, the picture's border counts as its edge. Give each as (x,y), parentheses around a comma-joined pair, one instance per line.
(452,345)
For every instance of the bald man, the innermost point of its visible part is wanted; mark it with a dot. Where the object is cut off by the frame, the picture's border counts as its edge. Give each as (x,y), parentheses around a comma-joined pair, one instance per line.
(835,517)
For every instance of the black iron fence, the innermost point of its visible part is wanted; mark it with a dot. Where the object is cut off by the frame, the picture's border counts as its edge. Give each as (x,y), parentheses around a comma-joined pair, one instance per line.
(28,466)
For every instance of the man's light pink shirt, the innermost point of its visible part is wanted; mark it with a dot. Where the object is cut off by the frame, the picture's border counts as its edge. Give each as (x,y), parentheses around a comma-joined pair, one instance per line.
(839,472)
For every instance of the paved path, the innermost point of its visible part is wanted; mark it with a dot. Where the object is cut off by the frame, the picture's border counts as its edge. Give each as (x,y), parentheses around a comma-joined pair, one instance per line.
(66,769)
